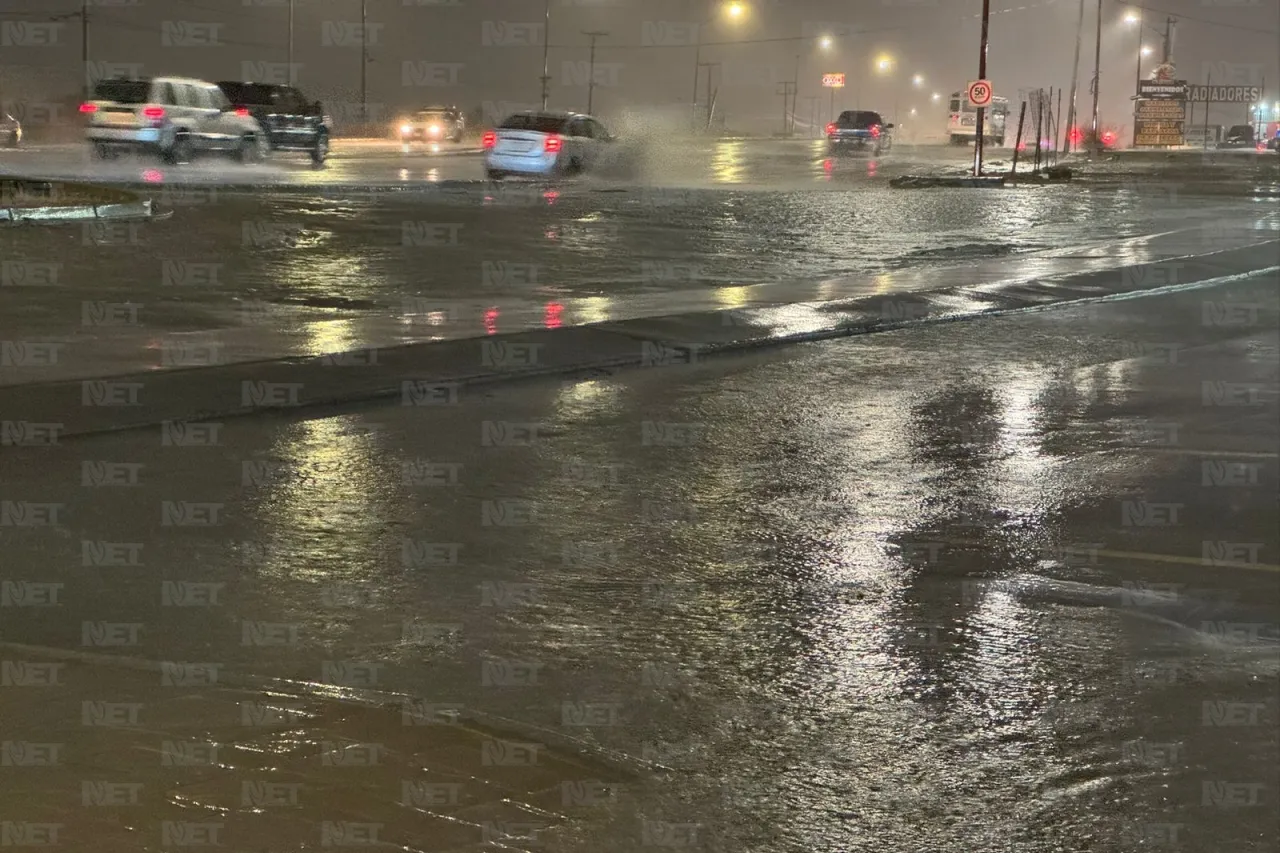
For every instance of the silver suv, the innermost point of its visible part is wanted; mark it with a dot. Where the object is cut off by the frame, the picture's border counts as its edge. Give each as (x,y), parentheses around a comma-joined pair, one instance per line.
(174,117)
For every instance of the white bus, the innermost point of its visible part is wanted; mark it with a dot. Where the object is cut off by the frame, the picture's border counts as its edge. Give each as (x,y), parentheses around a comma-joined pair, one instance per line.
(962,121)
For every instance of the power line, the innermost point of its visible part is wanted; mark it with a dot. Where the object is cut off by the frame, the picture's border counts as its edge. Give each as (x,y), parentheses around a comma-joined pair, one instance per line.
(1205,21)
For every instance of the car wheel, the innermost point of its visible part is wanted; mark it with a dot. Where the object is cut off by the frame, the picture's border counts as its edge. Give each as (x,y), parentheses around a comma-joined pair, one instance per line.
(320,151)
(493,174)
(180,150)
(247,151)
(102,152)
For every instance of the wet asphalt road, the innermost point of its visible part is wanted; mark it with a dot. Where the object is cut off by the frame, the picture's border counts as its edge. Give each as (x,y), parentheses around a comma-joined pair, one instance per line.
(998,585)
(371,251)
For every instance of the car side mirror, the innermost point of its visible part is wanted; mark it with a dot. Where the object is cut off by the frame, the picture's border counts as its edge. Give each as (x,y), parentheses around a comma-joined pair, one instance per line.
(888,127)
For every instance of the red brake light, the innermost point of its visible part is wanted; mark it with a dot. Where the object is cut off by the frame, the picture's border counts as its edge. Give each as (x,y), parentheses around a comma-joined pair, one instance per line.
(553,144)
(154,112)
(88,108)
(831,128)
(875,131)
(242,111)
(489,139)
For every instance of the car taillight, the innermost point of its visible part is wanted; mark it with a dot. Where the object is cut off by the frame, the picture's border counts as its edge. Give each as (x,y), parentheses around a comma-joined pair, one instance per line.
(553,144)
(154,112)
(831,128)
(88,108)
(242,111)
(489,140)
(875,131)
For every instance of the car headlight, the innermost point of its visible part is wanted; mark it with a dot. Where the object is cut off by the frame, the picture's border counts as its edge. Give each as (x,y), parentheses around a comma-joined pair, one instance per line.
(435,128)
(406,128)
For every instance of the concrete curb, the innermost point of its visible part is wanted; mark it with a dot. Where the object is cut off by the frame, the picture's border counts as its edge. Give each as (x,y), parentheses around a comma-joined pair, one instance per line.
(433,374)
(127,205)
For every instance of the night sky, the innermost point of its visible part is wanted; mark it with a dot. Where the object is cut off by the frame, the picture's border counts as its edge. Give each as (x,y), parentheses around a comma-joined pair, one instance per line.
(487,53)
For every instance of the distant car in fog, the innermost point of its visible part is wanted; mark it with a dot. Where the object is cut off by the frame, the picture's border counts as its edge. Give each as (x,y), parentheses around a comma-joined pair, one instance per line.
(859,130)
(174,117)
(545,143)
(433,124)
(1238,136)
(289,121)
(10,131)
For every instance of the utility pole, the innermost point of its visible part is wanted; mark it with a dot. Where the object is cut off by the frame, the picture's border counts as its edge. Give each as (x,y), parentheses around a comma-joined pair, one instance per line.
(709,66)
(591,74)
(364,62)
(1095,146)
(982,75)
(787,90)
(546,46)
(1075,76)
(795,96)
(1168,38)
(291,80)
(84,48)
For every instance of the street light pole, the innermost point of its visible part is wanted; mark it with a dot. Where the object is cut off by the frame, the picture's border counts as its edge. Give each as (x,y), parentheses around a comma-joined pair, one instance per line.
(1075,76)
(1097,80)
(364,62)
(546,46)
(291,80)
(84,48)
(1137,77)
(591,81)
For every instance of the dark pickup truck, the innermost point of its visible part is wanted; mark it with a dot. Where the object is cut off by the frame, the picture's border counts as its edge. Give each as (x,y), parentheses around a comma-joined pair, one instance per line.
(859,130)
(290,121)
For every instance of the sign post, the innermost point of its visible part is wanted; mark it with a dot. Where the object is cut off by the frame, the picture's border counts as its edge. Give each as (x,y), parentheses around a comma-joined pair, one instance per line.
(981,81)
(979,93)
(833,81)
(1161,117)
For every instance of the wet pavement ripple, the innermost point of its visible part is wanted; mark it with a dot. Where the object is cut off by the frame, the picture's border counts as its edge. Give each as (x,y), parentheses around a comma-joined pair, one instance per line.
(1006,584)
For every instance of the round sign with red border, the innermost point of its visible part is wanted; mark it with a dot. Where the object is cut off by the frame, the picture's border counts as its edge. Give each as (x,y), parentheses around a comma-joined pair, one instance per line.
(980,93)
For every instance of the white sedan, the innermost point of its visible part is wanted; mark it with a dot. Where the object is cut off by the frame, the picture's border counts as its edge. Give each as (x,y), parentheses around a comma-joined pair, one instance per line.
(545,144)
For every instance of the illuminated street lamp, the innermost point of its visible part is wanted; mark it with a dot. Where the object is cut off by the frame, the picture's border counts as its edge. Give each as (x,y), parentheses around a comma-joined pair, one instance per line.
(884,64)
(825,43)
(735,10)
(1146,51)
(917,80)
(937,96)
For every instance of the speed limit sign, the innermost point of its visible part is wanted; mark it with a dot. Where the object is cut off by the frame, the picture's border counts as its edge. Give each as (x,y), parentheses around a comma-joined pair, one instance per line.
(980,93)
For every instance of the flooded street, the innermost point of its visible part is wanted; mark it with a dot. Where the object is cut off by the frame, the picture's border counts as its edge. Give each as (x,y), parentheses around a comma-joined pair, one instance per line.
(1007,584)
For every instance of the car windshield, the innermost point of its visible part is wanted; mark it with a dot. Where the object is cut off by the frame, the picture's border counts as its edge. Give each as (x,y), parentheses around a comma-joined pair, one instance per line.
(249,93)
(858,120)
(434,115)
(122,91)
(531,121)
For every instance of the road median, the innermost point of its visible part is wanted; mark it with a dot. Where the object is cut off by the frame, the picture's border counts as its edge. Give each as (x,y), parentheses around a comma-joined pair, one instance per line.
(436,373)
(38,201)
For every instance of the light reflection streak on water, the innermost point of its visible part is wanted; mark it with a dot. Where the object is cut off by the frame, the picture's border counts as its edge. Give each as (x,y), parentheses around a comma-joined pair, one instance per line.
(324,515)
(331,336)
(727,163)
(581,399)
(733,297)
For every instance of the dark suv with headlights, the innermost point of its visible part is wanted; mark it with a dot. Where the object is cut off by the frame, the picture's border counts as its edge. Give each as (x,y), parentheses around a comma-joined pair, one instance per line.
(289,120)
